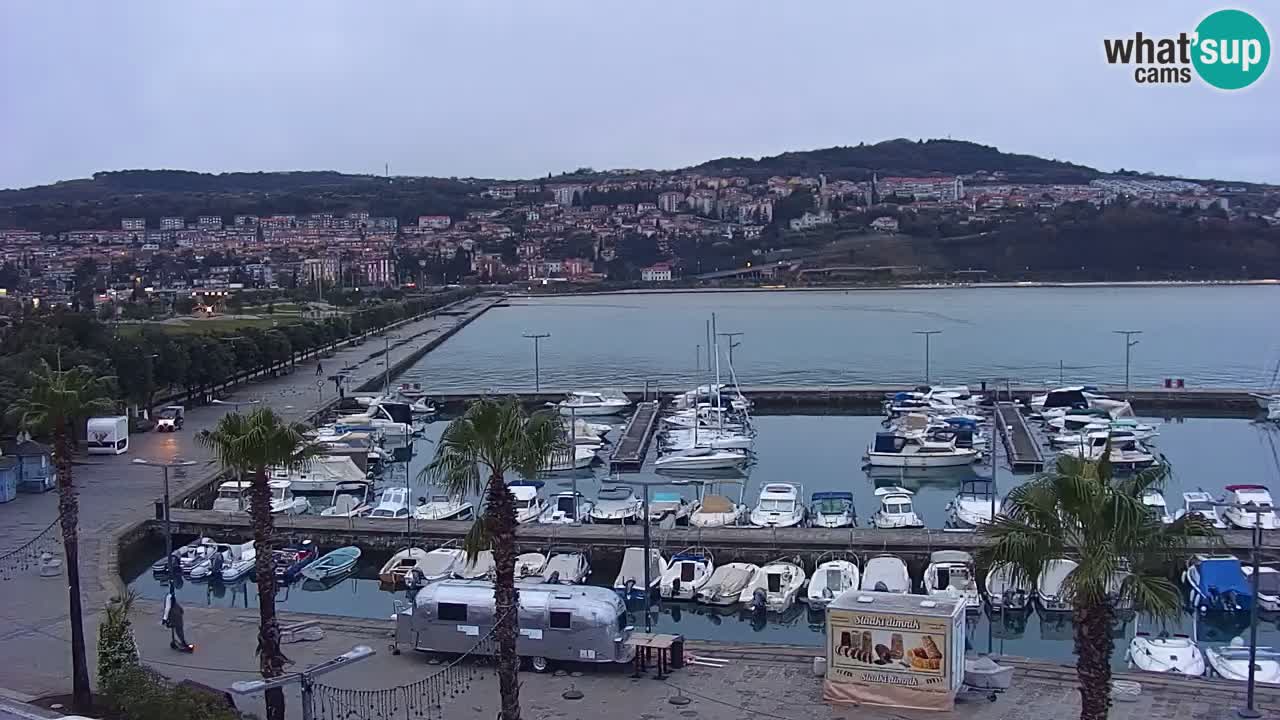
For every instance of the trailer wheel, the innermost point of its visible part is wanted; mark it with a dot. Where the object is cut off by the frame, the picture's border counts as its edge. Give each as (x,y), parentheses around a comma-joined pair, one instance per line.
(539,664)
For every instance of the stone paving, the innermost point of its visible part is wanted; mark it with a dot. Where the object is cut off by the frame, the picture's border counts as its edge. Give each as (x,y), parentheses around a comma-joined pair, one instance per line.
(114,494)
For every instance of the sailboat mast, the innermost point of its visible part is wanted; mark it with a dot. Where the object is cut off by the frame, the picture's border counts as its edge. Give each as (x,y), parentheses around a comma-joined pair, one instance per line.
(715,339)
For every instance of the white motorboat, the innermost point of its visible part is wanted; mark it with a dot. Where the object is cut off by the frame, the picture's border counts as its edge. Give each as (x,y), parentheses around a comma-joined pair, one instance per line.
(398,567)
(1268,595)
(701,458)
(580,457)
(830,578)
(1077,419)
(187,556)
(1002,593)
(1153,499)
(393,505)
(775,587)
(1143,431)
(393,420)
(482,567)
(585,403)
(530,565)
(440,563)
(239,561)
(974,505)
(706,417)
(686,574)
(893,449)
(567,508)
(350,499)
(1049,588)
(529,504)
(674,440)
(950,574)
(284,502)
(411,391)
(724,394)
(832,510)
(233,496)
(1201,503)
(671,505)
(1250,506)
(630,580)
(896,510)
(441,506)
(886,573)
(1232,662)
(726,584)
(209,566)
(717,511)
(617,504)
(322,474)
(1060,401)
(1127,453)
(779,506)
(566,566)
(1165,654)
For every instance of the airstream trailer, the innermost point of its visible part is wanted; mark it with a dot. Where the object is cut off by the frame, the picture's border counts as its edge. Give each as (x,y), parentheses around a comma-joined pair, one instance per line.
(577,623)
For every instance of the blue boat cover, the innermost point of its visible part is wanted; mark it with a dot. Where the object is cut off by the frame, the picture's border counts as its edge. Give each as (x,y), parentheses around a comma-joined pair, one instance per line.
(1223,575)
(902,396)
(962,422)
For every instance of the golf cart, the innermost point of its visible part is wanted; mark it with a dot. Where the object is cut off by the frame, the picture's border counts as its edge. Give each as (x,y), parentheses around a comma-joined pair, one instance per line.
(169,418)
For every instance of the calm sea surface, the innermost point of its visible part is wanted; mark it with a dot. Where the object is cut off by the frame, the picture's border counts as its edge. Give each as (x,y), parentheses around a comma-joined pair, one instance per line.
(1223,336)
(821,452)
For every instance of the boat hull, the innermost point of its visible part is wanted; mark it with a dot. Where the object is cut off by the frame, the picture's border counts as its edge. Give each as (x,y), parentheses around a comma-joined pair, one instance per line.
(898,460)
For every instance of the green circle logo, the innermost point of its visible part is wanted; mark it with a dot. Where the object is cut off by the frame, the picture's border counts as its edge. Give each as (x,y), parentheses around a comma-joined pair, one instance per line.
(1232,49)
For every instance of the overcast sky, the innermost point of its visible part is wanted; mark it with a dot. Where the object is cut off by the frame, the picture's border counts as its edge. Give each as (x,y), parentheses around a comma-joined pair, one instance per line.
(519,89)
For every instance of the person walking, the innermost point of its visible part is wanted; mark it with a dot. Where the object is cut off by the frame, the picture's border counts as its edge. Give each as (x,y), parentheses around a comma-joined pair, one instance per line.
(172,619)
(319,368)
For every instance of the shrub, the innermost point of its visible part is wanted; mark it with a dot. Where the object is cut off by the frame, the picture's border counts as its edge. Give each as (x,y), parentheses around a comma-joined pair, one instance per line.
(117,650)
(138,693)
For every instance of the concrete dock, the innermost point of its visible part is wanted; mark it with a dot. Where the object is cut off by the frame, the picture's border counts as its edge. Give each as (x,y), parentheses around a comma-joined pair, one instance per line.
(1021,448)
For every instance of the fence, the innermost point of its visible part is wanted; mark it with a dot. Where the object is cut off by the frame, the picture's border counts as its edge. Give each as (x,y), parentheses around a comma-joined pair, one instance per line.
(27,556)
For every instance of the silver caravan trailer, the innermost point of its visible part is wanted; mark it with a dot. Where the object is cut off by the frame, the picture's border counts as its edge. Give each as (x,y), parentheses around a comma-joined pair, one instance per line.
(574,623)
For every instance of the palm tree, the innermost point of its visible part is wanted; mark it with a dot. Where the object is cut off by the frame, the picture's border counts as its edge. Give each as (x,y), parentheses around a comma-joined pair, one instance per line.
(56,401)
(250,445)
(473,457)
(1125,555)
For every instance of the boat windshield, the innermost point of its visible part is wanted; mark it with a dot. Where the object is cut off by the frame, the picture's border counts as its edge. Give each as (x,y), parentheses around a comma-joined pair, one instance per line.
(523,504)
(1201,506)
(229,494)
(829,506)
(1269,583)
(778,506)
(565,504)
(1263,505)
(279,493)
(897,507)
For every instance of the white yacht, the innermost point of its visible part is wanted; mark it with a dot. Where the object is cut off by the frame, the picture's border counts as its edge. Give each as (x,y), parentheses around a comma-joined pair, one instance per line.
(1165,654)
(442,506)
(616,504)
(567,508)
(581,456)
(566,567)
(350,499)
(886,573)
(664,505)
(896,510)
(393,505)
(683,439)
(584,403)
(830,578)
(1232,662)
(1127,453)
(1002,593)
(686,574)
(284,502)
(893,449)
(233,496)
(701,458)
(726,584)
(393,420)
(1268,595)
(974,505)
(775,587)
(322,474)
(1201,503)
(530,566)
(950,574)
(832,509)
(1250,506)
(1049,589)
(1153,499)
(630,580)
(779,506)
(529,504)
(717,511)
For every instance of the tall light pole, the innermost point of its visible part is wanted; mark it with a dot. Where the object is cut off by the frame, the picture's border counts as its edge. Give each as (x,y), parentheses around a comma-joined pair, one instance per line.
(1129,342)
(644,519)
(386,359)
(732,344)
(927,334)
(537,368)
(168,528)
(306,678)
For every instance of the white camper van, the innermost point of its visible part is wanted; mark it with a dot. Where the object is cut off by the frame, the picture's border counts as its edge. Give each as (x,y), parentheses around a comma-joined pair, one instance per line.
(108,435)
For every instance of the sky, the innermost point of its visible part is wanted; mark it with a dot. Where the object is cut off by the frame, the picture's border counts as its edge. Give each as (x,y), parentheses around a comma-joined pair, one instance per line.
(519,89)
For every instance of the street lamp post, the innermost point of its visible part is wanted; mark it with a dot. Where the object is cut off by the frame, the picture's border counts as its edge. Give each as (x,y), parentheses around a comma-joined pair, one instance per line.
(1249,711)
(537,368)
(1129,342)
(732,344)
(168,528)
(927,334)
(644,519)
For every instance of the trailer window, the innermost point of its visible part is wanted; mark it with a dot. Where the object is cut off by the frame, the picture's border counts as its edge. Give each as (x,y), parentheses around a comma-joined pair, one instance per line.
(455,612)
(560,620)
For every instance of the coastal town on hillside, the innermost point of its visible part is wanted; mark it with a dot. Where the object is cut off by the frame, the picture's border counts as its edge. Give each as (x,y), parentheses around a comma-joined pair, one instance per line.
(551,232)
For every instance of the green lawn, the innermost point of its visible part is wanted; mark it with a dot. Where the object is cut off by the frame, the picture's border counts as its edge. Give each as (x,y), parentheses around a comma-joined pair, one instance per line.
(213,325)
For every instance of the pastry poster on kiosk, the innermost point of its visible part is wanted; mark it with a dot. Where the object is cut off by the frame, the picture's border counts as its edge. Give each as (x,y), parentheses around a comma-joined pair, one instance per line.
(895,650)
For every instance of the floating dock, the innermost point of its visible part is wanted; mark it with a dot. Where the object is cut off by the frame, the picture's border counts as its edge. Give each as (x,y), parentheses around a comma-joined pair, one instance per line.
(1020,446)
(630,450)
